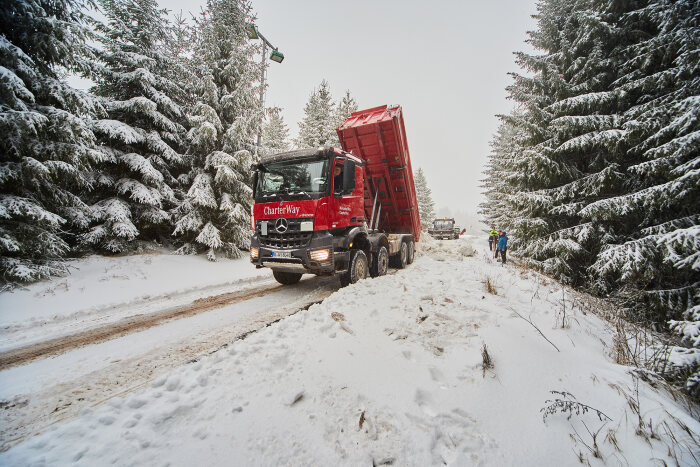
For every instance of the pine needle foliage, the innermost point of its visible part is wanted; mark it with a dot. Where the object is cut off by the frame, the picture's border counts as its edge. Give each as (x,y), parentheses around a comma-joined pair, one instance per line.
(596,174)
(226,115)
(426,205)
(143,137)
(47,146)
(275,133)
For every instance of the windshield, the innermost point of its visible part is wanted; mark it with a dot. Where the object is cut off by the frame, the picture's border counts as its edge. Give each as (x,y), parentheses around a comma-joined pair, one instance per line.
(441,225)
(293,177)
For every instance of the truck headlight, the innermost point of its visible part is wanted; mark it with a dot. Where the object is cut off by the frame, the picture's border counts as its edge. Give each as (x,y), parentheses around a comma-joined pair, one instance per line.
(253,253)
(320,255)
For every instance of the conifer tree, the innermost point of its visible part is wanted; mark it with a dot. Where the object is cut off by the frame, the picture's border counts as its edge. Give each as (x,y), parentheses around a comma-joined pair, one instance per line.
(426,206)
(345,107)
(46,144)
(215,212)
(275,133)
(143,136)
(319,123)
(501,183)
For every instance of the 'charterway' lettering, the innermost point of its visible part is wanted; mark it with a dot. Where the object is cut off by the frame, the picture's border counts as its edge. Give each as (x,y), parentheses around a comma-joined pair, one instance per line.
(285,210)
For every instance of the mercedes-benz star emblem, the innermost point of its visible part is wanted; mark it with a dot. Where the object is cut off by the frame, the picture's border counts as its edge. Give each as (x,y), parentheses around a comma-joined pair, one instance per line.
(281,225)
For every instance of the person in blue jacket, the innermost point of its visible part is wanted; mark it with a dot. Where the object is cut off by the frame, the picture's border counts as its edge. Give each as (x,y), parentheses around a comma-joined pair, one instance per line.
(502,246)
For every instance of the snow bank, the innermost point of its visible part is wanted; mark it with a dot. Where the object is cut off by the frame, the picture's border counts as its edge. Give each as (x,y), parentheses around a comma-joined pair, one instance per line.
(443,249)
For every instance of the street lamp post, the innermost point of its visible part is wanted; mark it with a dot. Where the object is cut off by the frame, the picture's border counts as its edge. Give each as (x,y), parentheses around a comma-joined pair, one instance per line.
(276,56)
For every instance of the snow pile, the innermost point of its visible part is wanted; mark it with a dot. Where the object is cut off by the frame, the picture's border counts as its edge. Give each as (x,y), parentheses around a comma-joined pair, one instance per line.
(390,371)
(442,249)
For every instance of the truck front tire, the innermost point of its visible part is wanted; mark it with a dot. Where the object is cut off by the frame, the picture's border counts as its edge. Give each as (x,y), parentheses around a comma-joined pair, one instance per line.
(356,270)
(286,278)
(380,263)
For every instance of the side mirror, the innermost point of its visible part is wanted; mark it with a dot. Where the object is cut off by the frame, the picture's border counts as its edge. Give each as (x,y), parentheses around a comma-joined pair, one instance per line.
(255,181)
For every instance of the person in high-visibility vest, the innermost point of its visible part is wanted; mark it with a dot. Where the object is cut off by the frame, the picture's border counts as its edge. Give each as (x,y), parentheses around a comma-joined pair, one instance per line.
(493,238)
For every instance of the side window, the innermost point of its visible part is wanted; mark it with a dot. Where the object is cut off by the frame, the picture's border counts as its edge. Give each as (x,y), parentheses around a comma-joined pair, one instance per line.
(349,177)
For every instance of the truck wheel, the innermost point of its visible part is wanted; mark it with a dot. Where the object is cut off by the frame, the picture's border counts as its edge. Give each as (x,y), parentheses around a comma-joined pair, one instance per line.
(286,278)
(357,269)
(380,263)
(399,259)
(411,251)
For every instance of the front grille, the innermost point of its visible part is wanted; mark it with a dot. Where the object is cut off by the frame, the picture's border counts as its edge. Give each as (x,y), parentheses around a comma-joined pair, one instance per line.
(292,238)
(286,240)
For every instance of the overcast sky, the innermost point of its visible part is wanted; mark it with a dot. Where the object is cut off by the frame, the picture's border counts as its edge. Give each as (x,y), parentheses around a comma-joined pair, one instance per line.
(444,62)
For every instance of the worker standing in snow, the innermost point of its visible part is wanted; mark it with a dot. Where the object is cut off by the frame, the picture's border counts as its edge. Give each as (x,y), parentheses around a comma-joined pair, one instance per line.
(502,246)
(493,238)
(495,244)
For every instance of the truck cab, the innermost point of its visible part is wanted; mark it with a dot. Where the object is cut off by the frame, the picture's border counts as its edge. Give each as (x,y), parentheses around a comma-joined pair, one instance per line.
(303,211)
(444,229)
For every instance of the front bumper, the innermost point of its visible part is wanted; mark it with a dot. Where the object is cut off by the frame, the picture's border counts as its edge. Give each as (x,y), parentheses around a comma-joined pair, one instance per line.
(442,234)
(299,259)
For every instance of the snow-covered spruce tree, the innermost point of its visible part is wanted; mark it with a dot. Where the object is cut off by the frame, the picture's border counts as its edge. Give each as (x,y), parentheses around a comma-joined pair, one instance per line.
(143,136)
(214,215)
(426,206)
(319,123)
(275,133)
(653,225)
(343,109)
(567,154)
(46,144)
(501,183)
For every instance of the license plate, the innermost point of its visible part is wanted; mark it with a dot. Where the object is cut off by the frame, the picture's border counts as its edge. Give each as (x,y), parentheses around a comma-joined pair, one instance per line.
(281,254)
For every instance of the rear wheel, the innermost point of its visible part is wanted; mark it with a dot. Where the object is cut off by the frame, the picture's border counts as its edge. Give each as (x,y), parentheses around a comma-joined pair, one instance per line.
(411,251)
(286,278)
(400,259)
(357,269)
(380,263)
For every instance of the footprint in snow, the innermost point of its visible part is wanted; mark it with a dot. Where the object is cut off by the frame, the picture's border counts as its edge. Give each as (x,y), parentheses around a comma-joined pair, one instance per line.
(456,441)
(423,399)
(436,374)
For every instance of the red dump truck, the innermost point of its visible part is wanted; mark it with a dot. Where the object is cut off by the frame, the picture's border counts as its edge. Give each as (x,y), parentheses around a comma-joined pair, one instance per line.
(350,211)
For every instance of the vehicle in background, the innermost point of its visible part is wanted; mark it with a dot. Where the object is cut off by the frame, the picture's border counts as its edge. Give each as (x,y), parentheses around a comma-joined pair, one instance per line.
(444,229)
(350,211)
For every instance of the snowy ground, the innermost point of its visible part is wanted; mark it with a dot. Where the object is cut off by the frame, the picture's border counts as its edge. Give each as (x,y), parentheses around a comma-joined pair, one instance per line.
(386,371)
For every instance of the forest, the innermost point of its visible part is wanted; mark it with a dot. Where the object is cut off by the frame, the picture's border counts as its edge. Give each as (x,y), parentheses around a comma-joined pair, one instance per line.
(596,172)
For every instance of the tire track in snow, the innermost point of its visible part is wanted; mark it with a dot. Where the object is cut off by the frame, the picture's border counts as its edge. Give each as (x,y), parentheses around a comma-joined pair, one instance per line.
(31,414)
(63,344)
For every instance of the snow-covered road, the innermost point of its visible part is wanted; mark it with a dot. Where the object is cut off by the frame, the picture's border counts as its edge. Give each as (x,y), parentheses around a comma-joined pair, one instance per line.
(386,371)
(111,350)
